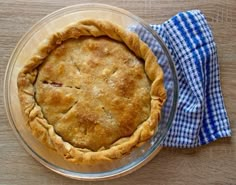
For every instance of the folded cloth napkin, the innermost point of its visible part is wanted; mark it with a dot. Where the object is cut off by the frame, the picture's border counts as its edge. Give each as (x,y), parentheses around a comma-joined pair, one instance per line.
(201,115)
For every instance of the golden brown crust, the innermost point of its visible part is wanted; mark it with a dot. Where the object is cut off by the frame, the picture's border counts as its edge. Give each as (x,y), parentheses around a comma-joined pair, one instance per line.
(53,106)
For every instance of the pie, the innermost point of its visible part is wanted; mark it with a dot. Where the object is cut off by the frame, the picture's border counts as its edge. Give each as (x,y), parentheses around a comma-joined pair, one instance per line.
(92,92)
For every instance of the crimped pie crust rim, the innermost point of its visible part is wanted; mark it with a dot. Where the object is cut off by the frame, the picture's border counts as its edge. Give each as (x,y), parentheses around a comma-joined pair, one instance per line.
(45,132)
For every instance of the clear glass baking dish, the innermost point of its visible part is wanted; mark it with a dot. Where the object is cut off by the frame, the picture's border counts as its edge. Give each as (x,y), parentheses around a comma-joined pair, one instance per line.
(28,45)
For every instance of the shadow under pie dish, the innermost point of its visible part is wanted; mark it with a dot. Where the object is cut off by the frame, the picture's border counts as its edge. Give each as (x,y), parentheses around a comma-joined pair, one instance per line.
(92,92)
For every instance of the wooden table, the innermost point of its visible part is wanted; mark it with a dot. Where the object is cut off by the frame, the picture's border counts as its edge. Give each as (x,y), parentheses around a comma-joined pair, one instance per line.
(211,164)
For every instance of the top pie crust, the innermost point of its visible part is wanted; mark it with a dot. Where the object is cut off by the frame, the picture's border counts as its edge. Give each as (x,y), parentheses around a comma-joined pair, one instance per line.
(92,92)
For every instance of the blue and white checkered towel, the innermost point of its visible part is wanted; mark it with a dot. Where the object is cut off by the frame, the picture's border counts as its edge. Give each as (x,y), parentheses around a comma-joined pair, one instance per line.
(201,116)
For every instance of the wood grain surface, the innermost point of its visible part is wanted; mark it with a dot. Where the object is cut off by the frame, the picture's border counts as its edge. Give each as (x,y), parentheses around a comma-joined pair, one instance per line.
(211,164)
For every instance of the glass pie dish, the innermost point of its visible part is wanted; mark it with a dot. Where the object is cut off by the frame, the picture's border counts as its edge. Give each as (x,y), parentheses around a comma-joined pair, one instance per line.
(28,45)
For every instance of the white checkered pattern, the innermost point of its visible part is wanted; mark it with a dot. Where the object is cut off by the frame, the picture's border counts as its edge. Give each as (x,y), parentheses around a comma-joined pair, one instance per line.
(201,116)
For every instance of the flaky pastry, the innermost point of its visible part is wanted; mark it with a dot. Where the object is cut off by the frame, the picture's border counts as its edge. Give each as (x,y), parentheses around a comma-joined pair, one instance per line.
(92,92)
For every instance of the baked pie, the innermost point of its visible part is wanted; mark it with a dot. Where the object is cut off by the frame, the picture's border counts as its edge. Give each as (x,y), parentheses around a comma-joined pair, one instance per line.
(92,92)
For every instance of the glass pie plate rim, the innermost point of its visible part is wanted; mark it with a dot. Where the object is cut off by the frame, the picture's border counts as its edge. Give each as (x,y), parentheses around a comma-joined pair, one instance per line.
(77,175)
